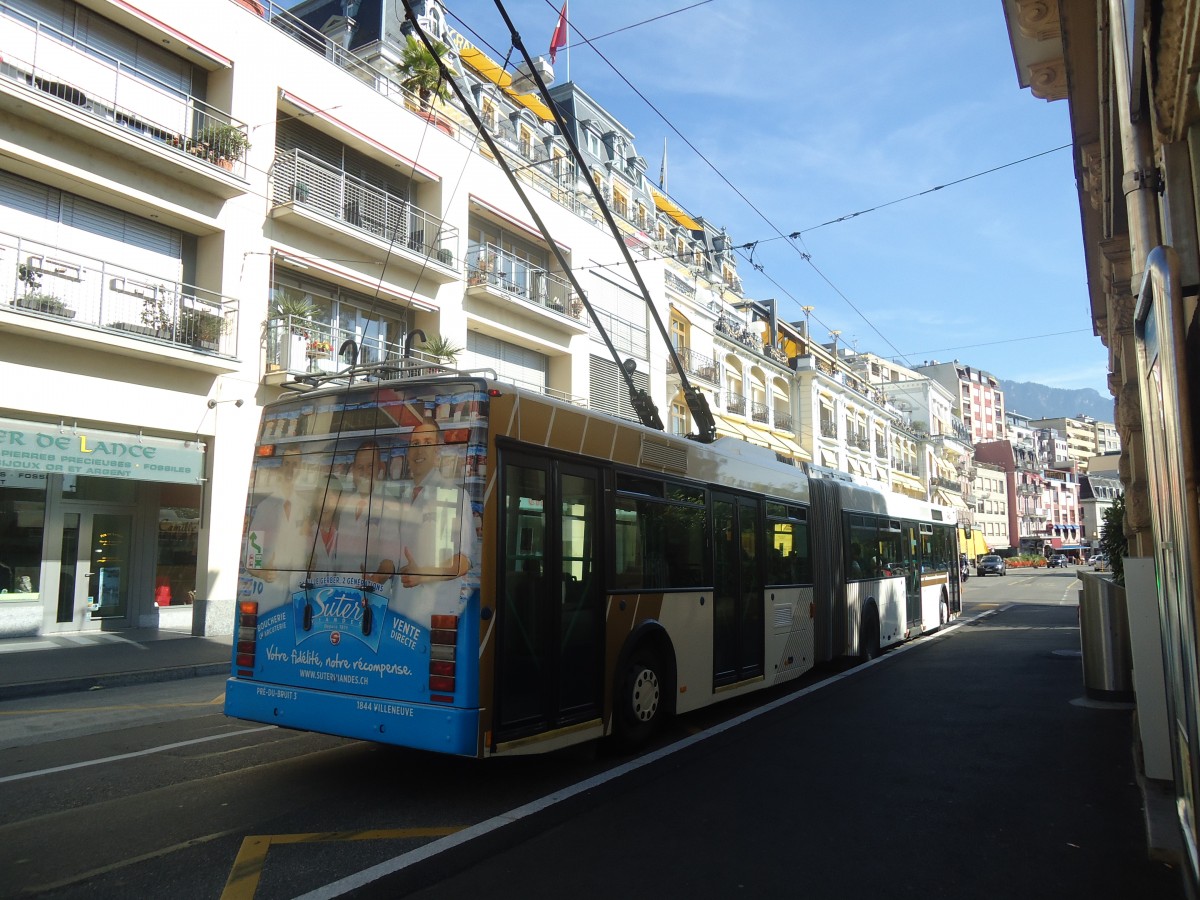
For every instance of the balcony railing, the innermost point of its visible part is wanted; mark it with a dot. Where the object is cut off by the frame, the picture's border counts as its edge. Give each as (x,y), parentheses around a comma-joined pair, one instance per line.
(828,430)
(696,365)
(625,335)
(784,422)
(87,79)
(490,266)
(735,403)
(71,288)
(760,412)
(299,345)
(308,182)
(947,484)
(677,284)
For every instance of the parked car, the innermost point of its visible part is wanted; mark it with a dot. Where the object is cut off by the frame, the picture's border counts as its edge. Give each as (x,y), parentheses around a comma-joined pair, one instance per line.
(1100,562)
(990,565)
(1057,561)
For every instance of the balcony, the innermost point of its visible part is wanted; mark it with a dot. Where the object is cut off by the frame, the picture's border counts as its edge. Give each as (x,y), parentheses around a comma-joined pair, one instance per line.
(677,284)
(760,412)
(66,297)
(495,273)
(784,422)
(696,365)
(298,346)
(735,403)
(314,195)
(947,484)
(626,336)
(829,430)
(73,87)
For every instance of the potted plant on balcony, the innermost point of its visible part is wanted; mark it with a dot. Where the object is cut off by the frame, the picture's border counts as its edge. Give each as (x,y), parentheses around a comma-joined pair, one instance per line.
(201,329)
(38,300)
(222,144)
(157,319)
(420,71)
(292,310)
(442,349)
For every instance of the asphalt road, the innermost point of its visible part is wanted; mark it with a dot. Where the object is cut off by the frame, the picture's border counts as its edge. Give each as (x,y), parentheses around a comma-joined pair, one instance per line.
(904,778)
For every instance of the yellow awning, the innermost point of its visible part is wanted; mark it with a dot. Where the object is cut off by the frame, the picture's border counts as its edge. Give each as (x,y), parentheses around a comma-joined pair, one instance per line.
(733,428)
(491,70)
(485,66)
(793,447)
(663,204)
(949,498)
(775,441)
(974,546)
(534,105)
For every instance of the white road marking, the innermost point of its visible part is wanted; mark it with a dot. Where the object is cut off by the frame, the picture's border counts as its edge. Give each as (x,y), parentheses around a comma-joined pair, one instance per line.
(21,776)
(440,845)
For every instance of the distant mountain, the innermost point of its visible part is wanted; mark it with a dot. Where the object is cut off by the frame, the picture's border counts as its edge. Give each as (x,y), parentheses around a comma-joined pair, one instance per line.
(1041,402)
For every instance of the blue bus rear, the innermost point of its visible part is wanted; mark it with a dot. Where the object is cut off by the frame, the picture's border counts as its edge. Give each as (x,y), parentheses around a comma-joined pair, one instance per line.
(358,596)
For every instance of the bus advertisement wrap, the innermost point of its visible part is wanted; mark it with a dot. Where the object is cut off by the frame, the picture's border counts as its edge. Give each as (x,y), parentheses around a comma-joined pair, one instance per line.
(362,545)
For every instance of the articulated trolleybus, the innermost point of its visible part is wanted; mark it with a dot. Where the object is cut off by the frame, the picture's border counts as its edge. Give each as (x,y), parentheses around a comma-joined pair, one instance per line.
(455,564)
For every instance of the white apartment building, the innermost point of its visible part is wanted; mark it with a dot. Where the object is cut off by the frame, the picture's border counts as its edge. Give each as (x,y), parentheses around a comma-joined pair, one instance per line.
(202,203)
(991,506)
(1079,435)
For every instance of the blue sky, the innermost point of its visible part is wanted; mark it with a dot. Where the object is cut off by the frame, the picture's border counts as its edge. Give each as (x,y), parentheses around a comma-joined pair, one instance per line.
(817,110)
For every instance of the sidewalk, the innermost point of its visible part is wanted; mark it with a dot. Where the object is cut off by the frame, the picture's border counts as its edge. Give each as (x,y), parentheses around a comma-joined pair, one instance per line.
(58,664)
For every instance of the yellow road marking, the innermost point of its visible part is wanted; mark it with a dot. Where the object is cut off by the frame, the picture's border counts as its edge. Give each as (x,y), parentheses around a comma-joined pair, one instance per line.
(247,867)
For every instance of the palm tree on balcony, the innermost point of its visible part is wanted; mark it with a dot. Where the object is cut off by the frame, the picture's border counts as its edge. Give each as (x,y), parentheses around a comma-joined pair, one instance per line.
(442,349)
(420,72)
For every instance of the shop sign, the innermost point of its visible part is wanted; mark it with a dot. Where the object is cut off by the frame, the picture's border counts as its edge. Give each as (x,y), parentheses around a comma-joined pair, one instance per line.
(36,448)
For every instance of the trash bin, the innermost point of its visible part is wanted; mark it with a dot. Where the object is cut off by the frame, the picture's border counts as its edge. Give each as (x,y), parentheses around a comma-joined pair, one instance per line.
(1104,637)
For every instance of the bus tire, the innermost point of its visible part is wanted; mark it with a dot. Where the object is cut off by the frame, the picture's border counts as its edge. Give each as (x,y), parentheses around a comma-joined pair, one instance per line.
(868,635)
(639,699)
(943,612)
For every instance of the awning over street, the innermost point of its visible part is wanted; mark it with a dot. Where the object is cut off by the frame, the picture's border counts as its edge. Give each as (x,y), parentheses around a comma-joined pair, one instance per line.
(974,546)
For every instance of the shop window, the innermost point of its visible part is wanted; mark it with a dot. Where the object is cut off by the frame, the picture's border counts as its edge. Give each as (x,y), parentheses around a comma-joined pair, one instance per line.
(106,490)
(22,519)
(178,543)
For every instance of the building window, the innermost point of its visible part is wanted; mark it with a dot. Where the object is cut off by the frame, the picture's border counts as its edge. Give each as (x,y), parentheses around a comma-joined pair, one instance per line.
(679,422)
(620,203)
(678,333)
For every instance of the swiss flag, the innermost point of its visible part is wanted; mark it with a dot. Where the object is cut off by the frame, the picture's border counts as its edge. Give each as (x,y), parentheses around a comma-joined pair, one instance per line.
(559,39)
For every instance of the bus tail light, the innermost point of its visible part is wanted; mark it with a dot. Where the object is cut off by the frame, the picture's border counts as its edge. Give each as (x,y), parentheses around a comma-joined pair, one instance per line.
(443,641)
(247,637)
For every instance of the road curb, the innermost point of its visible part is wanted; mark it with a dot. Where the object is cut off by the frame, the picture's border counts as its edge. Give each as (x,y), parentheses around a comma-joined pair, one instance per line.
(27,689)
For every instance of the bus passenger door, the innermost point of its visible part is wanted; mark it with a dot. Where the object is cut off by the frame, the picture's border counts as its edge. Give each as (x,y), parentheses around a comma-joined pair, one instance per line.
(737,590)
(550,625)
(915,565)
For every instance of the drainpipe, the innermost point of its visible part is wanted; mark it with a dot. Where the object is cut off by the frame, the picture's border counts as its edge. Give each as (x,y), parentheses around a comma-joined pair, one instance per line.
(1142,181)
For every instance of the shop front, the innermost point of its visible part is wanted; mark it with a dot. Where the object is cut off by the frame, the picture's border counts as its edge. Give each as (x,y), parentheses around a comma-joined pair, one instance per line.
(99,530)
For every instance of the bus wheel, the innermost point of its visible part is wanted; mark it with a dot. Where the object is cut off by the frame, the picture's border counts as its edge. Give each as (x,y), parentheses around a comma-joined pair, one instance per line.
(868,636)
(639,700)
